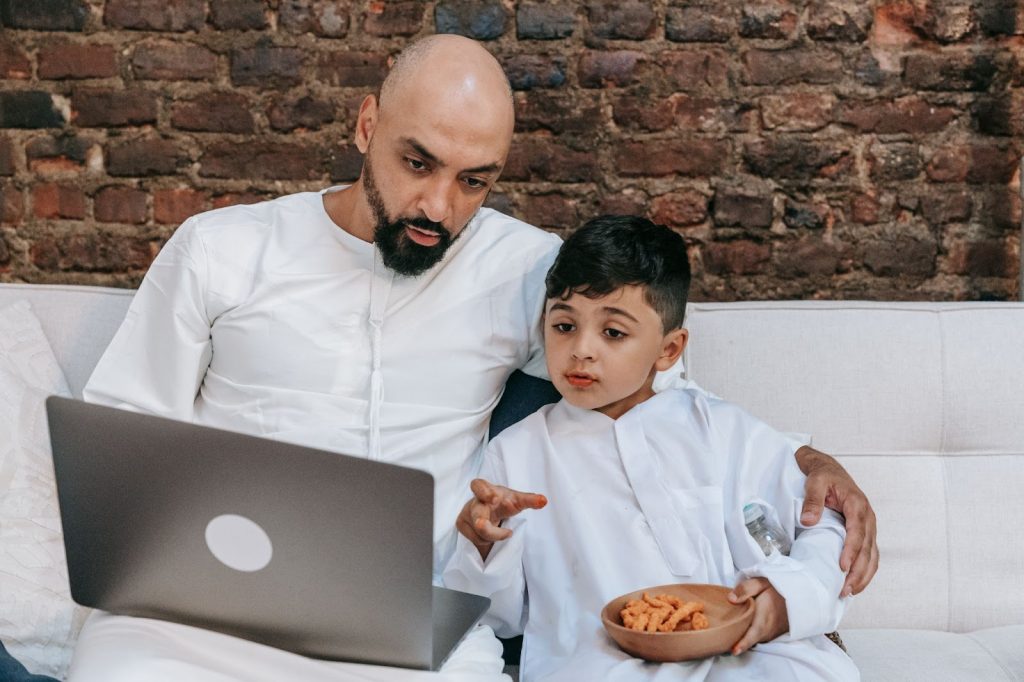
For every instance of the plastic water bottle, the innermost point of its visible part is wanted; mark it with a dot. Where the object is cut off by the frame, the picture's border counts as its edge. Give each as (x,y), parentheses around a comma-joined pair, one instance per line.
(769,536)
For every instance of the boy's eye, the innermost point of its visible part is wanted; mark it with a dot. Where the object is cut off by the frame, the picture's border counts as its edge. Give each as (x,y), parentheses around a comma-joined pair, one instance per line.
(614,333)
(563,327)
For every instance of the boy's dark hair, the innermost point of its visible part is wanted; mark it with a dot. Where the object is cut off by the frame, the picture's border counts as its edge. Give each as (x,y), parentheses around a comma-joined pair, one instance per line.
(614,251)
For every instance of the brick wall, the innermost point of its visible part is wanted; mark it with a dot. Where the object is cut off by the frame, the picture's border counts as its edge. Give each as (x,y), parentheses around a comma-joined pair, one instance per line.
(805,148)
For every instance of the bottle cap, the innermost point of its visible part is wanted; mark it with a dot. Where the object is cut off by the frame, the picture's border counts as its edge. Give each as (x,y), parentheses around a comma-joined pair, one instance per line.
(752,512)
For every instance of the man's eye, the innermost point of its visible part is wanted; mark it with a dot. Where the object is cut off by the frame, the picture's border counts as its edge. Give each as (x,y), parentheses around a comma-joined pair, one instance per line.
(563,327)
(614,333)
(475,183)
(416,164)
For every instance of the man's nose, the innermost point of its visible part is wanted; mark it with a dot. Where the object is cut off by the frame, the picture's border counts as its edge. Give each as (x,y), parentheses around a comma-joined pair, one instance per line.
(436,200)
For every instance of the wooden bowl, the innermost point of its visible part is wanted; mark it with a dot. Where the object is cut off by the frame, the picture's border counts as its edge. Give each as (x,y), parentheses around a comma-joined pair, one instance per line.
(728,622)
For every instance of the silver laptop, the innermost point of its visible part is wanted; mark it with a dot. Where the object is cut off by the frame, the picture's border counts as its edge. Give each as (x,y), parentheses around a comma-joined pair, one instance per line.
(314,552)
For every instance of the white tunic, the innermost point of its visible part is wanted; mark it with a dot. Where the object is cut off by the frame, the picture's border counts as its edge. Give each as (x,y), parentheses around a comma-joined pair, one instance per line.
(652,498)
(271,320)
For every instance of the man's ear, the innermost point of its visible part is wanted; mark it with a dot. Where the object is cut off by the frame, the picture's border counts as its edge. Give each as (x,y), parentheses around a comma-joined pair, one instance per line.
(672,347)
(366,123)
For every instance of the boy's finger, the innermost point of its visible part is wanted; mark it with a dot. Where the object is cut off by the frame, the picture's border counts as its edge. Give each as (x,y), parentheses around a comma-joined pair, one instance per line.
(482,490)
(529,500)
(747,589)
(490,532)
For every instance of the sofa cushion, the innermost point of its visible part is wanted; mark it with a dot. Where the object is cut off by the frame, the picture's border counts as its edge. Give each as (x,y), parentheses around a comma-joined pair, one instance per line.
(38,621)
(899,655)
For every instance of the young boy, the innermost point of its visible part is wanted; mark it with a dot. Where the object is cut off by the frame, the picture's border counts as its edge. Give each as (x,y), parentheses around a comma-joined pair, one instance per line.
(644,489)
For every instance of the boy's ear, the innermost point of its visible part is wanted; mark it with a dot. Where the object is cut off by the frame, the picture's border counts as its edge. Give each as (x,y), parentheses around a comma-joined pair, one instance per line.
(671,348)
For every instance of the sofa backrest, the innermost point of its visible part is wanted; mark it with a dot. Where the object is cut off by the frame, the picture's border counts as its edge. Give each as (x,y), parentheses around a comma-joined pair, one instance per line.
(78,321)
(924,404)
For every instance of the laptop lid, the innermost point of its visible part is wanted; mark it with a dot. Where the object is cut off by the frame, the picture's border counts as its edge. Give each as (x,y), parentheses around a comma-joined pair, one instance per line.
(318,553)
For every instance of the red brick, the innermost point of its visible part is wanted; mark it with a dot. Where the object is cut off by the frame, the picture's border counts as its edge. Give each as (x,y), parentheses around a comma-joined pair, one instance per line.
(58,154)
(77,61)
(810,256)
(976,164)
(616,68)
(113,108)
(545,20)
(798,111)
(174,61)
(549,210)
(577,113)
(529,71)
(267,66)
(173,206)
(7,163)
(713,23)
(698,157)
(712,115)
(5,253)
(809,216)
(956,71)
(741,257)
(949,165)
(768,19)
(305,112)
(156,15)
(92,252)
(353,69)
(623,203)
(546,160)
(691,70)
(895,24)
(218,112)
(901,254)
(323,18)
(680,208)
(117,204)
(800,65)
(262,161)
(244,15)
(864,209)
(952,23)
(999,115)
(738,209)
(982,258)
(387,19)
(12,204)
(477,19)
(621,19)
(237,198)
(143,157)
(45,15)
(907,115)
(797,159)
(346,164)
(633,113)
(940,207)
(840,21)
(893,162)
(14,62)
(29,109)
(52,201)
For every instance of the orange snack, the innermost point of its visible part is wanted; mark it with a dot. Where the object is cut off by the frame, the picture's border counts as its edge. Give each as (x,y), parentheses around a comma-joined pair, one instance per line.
(663,613)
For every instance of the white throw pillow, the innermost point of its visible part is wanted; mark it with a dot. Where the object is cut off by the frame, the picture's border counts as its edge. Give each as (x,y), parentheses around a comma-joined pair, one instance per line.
(38,620)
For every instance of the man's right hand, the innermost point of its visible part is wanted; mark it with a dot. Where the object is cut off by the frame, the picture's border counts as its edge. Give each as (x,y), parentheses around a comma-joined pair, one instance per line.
(481,517)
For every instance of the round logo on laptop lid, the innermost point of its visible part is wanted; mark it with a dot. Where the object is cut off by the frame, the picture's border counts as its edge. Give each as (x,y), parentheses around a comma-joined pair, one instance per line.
(239,543)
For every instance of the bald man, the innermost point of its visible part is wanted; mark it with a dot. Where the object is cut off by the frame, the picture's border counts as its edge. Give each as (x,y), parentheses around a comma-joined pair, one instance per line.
(380,320)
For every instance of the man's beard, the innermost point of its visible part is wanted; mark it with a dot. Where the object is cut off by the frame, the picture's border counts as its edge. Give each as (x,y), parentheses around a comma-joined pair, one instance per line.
(398,252)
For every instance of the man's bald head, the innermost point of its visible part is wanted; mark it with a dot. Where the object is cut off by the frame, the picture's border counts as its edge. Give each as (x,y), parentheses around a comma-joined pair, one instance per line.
(449,67)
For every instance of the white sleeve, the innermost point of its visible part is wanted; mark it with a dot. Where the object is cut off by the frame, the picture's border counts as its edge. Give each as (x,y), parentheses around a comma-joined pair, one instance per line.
(535,294)
(159,356)
(501,576)
(764,470)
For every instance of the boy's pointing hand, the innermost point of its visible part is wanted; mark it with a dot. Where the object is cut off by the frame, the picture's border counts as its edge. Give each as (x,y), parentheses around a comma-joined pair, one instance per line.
(481,517)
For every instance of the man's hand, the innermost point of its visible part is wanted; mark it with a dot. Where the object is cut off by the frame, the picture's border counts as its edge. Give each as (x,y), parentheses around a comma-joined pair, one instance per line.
(770,616)
(828,485)
(481,517)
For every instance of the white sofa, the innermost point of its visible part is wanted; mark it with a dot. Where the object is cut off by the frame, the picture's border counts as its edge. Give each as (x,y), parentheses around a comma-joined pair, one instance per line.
(922,402)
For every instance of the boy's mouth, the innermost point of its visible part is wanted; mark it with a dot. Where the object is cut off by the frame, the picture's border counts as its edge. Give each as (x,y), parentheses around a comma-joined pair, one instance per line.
(579,379)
